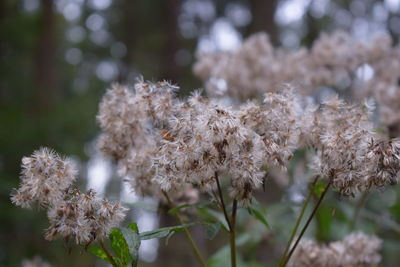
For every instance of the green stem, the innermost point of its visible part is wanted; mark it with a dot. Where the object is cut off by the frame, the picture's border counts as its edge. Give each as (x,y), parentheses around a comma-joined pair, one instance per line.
(357,210)
(109,256)
(195,249)
(306,225)
(232,234)
(231,222)
(222,202)
(298,220)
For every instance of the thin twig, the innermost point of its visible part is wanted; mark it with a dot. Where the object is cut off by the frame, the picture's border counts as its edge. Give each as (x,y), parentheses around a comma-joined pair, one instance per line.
(195,249)
(217,199)
(299,218)
(232,234)
(231,222)
(222,201)
(109,256)
(357,210)
(307,223)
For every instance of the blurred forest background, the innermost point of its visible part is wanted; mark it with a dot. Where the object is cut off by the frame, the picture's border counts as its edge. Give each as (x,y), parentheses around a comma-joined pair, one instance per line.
(58,57)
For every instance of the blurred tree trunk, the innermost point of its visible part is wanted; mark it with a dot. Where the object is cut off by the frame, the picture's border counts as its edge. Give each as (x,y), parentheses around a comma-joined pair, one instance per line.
(263,12)
(2,39)
(171,68)
(44,64)
(128,37)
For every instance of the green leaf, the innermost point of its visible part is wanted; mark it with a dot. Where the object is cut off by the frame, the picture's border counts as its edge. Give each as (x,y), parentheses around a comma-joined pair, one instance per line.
(319,188)
(217,216)
(211,230)
(223,256)
(134,227)
(120,246)
(259,216)
(168,237)
(173,211)
(132,239)
(200,204)
(324,222)
(99,253)
(163,232)
(203,203)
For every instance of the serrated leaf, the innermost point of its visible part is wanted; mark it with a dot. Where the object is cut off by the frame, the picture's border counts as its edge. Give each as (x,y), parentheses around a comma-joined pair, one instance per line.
(120,246)
(98,252)
(259,216)
(211,230)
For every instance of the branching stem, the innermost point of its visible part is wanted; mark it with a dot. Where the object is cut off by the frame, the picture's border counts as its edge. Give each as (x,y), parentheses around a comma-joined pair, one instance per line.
(299,218)
(222,202)
(307,224)
(230,221)
(195,249)
(109,256)
(357,210)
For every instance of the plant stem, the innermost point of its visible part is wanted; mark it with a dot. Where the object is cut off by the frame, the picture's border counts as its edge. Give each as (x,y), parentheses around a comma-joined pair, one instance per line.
(195,249)
(357,210)
(231,222)
(217,199)
(307,224)
(109,256)
(222,201)
(232,234)
(299,218)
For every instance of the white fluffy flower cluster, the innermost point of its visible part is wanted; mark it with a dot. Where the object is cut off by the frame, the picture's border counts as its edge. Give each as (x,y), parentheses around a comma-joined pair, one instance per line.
(161,143)
(355,250)
(45,177)
(194,140)
(83,217)
(349,152)
(385,88)
(206,139)
(335,60)
(130,120)
(47,180)
(279,123)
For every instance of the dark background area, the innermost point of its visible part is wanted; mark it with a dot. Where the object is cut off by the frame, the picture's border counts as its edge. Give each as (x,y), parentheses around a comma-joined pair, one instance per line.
(57,58)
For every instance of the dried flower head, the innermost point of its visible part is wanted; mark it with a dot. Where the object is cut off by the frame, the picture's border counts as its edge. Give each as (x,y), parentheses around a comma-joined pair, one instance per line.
(338,60)
(83,217)
(44,178)
(355,250)
(277,121)
(47,180)
(349,152)
(36,261)
(205,139)
(131,121)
